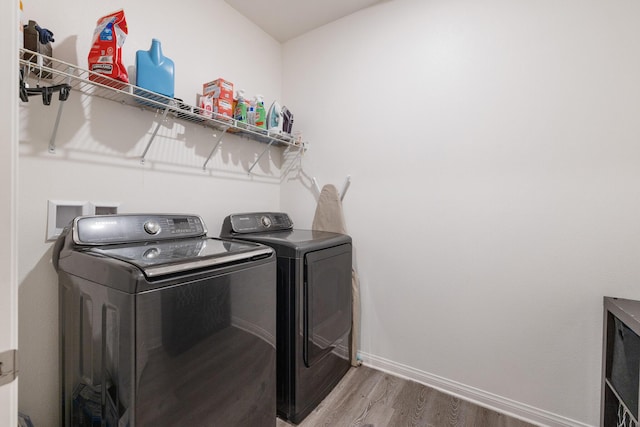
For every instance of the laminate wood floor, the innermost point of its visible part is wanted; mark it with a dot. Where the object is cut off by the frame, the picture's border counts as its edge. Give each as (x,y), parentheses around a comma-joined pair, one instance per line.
(369,398)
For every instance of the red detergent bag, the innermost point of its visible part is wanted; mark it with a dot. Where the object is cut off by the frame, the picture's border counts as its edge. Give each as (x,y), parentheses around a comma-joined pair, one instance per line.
(105,56)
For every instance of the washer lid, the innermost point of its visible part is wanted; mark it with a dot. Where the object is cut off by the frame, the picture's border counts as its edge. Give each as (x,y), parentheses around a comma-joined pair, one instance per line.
(167,257)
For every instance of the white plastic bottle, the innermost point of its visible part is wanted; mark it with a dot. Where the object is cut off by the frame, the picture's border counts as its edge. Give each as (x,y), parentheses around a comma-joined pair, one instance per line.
(251,113)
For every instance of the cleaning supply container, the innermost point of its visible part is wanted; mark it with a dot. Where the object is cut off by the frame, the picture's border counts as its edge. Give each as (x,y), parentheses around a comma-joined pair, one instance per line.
(240,111)
(154,71)
(260,113)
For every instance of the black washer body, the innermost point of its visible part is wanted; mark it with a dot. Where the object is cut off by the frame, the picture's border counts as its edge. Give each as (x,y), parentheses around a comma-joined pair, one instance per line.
(313,307)
(163,326)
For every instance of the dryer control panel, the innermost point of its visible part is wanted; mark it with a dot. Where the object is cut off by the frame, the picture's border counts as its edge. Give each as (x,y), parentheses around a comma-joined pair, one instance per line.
(111,229)
(256,222)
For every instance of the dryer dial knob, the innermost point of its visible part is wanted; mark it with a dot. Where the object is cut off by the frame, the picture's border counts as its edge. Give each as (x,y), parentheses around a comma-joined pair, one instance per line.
(266,221)
(152,227)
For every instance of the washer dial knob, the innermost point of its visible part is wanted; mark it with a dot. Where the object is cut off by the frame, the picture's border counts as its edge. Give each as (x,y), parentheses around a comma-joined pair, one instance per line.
(152,227)
(266,221)
(151,253)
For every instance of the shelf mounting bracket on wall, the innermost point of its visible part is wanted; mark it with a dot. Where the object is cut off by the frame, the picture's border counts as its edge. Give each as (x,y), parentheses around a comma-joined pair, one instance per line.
(271,141)
(215,147)
(301,149)
(153,135)
(54,132)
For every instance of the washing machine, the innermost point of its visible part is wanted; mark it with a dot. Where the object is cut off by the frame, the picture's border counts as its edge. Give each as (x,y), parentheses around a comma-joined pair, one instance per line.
(163,326)
(313,306)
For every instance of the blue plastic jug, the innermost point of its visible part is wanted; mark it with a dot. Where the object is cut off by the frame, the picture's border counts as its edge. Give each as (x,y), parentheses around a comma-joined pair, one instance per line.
(155,72)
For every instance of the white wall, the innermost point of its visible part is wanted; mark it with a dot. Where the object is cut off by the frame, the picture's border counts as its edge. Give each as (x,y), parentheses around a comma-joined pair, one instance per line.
(99,143)
(495,199)
(505,135)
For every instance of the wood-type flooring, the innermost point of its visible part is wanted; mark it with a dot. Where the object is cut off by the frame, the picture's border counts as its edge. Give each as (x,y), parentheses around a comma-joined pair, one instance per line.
(366,397)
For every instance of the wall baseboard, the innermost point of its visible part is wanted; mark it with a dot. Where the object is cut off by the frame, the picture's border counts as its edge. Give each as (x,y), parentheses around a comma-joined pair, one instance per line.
(482,398)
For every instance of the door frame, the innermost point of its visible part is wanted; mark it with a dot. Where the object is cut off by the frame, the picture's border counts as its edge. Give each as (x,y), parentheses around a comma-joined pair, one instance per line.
(9,22)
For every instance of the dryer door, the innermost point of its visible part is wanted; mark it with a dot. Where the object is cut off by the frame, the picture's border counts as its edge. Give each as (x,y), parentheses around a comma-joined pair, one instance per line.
(327,303)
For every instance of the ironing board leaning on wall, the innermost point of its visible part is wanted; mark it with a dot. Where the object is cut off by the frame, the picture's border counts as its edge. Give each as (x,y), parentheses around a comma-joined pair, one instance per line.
(329,217)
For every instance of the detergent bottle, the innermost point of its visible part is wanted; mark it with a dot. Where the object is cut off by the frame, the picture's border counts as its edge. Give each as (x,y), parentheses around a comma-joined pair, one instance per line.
(154,71)
(260,113)
(274,118)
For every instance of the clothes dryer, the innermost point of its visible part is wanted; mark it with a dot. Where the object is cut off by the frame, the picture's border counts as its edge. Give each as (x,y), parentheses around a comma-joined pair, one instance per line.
(313,306)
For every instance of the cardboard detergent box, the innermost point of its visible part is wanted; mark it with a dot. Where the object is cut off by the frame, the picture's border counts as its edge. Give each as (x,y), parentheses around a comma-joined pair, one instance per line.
(223,107)
(205,104)
(219,88)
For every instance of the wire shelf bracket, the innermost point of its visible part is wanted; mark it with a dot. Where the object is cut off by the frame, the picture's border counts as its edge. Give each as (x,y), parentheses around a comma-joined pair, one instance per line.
(215,147)
(260,156)
(153,135)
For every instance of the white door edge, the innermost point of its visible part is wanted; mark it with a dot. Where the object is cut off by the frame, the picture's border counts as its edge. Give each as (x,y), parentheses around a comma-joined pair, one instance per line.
(9,22)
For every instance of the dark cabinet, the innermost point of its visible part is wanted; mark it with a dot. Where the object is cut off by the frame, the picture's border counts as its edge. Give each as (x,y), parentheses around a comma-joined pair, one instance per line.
(620,363)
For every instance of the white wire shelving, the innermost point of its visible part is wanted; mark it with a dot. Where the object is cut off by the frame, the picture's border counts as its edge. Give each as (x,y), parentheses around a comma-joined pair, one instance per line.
(41,71)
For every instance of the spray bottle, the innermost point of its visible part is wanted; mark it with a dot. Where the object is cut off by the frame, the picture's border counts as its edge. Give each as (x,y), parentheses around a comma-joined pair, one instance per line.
(260,113)
(240,112)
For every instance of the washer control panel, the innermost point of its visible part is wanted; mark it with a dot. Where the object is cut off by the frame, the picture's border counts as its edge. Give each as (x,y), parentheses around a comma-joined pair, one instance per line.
(257,222)
(108,229)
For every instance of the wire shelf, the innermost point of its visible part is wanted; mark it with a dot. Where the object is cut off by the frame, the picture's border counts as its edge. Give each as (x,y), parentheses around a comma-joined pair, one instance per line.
(44,71)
